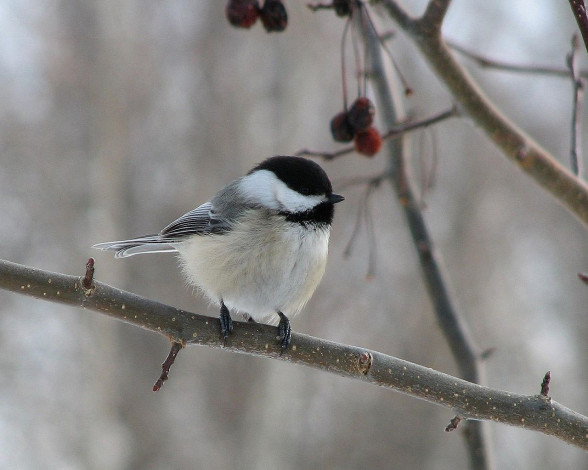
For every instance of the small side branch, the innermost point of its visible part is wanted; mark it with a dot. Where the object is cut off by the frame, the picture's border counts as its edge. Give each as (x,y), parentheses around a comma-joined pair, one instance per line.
(468,400)
(166,366)
(392,133)
(545,384)
(488,62)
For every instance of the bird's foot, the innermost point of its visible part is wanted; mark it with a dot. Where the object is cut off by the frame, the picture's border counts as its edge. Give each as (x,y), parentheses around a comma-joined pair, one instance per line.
(226,323)
(284,332)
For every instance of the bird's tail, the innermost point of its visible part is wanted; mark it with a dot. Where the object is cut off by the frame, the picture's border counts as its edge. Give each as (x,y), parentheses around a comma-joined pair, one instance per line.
(136,246)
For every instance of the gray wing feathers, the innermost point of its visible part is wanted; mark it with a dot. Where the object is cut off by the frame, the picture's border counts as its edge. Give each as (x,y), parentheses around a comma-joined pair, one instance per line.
(136,246)
(204,220)
(201,221)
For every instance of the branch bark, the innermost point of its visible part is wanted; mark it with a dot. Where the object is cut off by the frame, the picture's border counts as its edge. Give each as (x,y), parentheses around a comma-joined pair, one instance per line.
(468,400)
(521,149)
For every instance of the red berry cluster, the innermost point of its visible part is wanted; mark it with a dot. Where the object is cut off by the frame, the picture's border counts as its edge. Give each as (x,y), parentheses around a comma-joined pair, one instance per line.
(244,14)
(356,124)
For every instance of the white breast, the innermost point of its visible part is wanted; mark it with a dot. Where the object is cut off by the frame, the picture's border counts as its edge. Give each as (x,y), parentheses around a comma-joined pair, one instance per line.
(258,269)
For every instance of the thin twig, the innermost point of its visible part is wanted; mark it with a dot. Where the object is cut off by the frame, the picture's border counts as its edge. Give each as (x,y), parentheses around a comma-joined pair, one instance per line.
(88,279)
(483,61)
(314,7)
(468,400)
(166,366)
(343,67)
(577,87)
(407,88)
(579,10)
(392,133)
(372,246)
(545,384)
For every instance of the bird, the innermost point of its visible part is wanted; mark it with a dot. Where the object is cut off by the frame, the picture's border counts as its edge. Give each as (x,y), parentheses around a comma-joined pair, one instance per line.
(258,247)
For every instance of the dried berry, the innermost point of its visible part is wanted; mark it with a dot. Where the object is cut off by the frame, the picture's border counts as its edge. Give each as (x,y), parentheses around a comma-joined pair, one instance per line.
(242,13)
(342,7)
(341,130)
(274,16)
(361,114)
(368,142)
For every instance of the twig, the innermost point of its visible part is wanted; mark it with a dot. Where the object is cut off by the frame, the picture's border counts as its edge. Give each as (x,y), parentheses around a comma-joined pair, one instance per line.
(578,87)
(88,279)
(319,6)
(408,91)
(545,384)
(579,10)
(393,132)
(166,366)
(468,400)
(583,277)
(453,424)
(483,61)
(401,129)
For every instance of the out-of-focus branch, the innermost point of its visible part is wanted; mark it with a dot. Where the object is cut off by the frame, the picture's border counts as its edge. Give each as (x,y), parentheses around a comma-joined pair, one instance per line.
(468,400)
(577,89)
(488,62)
(512,141)
(435,12)
(394,131)
(579,10)
(450,319)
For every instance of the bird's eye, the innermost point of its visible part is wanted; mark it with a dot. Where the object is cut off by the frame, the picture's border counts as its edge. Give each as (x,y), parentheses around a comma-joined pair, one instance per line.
(305,190)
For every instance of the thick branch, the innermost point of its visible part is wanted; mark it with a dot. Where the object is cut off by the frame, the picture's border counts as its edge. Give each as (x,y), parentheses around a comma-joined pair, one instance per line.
(468,400)
(512,141)
(435,13)
(579,10)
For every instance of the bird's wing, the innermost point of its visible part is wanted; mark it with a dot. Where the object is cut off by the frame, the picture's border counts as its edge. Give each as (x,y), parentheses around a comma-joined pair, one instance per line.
(201,221)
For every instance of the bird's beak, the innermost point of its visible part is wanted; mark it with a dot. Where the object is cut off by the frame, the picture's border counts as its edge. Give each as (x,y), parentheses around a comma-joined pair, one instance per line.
(335,198)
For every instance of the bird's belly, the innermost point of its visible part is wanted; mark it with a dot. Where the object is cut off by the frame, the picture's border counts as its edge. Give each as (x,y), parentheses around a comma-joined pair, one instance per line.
(258,272)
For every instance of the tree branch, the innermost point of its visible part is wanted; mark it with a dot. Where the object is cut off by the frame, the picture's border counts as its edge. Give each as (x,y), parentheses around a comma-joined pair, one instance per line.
(468,400)
(450,319)
(512,141)
(579,11)
(435,13)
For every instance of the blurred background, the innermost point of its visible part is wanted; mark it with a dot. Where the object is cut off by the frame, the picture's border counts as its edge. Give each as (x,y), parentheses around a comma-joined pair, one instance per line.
(117,117)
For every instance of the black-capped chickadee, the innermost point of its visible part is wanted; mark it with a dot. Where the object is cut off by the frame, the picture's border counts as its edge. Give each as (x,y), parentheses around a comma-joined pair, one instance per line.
(258,247)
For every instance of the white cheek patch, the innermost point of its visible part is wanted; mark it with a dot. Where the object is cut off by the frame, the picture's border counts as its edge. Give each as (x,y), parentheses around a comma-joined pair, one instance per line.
(258,188)
(293,201)
(263,187)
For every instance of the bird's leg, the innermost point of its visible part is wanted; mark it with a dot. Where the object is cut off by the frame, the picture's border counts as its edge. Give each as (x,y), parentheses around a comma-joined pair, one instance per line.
(284,332)
(226,324)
